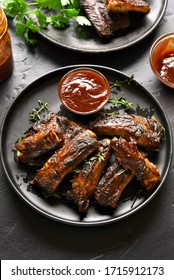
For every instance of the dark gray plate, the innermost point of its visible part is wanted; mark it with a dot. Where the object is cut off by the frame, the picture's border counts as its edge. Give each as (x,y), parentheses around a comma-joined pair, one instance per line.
(86,40)
(16,122)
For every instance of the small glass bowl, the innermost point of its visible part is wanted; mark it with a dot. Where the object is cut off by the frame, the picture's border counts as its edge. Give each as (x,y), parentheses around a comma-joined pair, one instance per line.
(162,47)
(84,90)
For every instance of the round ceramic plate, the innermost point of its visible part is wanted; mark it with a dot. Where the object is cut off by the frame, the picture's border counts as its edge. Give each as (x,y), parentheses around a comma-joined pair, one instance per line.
(85,39)
(16,122)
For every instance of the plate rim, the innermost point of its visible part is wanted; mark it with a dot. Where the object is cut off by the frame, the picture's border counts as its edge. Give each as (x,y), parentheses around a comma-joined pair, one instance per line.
(114,49)
(85,223)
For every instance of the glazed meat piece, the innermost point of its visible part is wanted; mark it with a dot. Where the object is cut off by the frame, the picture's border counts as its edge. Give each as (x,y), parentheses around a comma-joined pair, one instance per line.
(105,23)
(130,158)
(85,182)
(63,161)
(40,138)
(48,122)
(97,13)
(68,128)
(37,145)
(45,136)
(124,6)
(112,184)
(146,132)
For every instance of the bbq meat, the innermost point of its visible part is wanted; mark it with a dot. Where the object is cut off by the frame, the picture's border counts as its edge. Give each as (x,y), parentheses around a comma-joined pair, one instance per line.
(45,136)
(146,132)
(97,13)
(130,158)
(124,6)
(62,162)
(40,138)
(49,122)
(85,182)
(37,145)
(112,184)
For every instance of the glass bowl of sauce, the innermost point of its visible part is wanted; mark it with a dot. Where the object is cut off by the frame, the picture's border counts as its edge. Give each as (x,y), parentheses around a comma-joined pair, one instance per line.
(84,91)
(162,59)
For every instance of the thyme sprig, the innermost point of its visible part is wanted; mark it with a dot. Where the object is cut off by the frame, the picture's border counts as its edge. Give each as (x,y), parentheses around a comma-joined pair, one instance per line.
(118,83)
(97,156)
(35,115)
(116,101)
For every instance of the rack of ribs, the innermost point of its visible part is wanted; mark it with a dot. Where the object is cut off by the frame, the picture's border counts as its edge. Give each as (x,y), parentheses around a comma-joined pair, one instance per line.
(131,158)
(112,184)
(146,132)
(85,182)
(82,143)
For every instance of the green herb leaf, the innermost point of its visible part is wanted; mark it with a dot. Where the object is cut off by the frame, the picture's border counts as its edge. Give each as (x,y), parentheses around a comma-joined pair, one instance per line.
(82,20)
(118,83)
(121,101)
(35,115)
(50,4)
(15,8)
(41,17)
(31,16)
(59,21)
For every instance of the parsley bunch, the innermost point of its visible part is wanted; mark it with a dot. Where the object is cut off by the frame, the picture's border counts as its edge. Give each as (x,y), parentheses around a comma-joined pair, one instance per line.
(33,16)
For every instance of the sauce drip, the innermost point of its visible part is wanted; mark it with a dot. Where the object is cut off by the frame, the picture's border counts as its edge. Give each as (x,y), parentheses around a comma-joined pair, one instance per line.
(84,90)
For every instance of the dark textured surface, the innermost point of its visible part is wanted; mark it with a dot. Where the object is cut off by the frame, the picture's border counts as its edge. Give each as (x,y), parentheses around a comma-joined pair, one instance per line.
(148,234)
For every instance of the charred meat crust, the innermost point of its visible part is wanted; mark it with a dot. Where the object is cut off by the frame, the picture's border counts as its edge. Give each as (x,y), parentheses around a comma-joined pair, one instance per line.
(105,23)
(97,13)
(130,158)
(40,138)
(38,144)
(146,132)
(85,183)
(63,161)
(112,184)
(45,136)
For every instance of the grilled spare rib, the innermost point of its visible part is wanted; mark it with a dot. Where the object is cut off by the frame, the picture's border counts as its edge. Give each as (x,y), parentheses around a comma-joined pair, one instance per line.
(104,23)
(39,139)
(85,182)
(146,132)
(97,13)
(130,158)
(62,162)
(127,6)
(112,184)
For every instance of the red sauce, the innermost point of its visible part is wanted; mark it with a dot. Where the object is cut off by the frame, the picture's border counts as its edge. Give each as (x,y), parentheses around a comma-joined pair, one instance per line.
(84,90)
(163,59)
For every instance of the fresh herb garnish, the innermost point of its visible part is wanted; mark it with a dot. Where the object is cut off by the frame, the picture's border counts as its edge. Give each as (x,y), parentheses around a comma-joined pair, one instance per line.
(31,16)
(117,101)
(118,83)
(134,197)
(35,115)
(97,156)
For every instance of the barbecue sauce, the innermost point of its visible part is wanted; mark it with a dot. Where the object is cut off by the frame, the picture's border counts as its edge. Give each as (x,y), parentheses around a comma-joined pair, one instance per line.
(164,59)
(84,90)
(6,59)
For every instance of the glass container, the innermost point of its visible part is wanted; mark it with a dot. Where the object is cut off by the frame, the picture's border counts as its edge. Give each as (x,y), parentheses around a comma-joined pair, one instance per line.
(6,57)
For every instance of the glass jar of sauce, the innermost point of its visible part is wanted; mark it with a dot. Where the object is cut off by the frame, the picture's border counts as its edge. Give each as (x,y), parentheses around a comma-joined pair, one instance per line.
(162,59)
(6,58)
